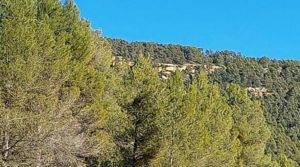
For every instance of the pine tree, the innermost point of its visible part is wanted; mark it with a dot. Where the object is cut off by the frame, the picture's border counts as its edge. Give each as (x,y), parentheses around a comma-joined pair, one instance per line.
(19,69)
(139,143)
(196,125)
(49,84)
(209,122)
(284,161)
(250,128)
(171,123)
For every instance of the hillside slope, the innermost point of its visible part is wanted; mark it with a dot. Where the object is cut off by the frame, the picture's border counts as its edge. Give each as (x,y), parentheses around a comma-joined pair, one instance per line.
(275,82)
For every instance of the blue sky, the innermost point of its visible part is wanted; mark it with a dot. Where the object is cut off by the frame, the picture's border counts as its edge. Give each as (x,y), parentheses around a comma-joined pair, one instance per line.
(253,27)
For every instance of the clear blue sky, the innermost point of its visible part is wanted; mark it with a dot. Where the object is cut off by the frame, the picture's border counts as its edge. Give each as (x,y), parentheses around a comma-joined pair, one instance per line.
(253,27)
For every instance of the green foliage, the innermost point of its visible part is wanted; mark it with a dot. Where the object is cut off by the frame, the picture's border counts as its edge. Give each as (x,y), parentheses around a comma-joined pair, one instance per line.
(55,104)
(250,128)
(286,162)
(200,127)
(139,143)
(65,102)
(210,124)
(171,119)
(159,53)
(279,77)
(280,109)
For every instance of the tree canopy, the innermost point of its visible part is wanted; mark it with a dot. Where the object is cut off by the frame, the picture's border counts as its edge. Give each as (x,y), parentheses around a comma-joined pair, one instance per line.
(64,101)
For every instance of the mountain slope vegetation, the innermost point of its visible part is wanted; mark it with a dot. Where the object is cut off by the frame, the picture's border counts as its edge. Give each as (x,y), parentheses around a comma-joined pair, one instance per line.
(65,101)
(281,78)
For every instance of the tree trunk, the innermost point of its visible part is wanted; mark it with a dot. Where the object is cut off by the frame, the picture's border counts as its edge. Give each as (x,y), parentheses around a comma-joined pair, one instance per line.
(5,145)
(39,151)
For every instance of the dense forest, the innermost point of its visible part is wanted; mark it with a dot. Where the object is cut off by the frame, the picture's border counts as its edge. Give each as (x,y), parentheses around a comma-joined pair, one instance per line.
(66,101)
(281,78)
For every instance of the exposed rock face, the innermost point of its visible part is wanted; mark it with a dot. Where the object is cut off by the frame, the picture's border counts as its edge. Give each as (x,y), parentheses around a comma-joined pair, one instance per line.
(259,91)
(121,60)
(166,69)
(161,67)
(212,69)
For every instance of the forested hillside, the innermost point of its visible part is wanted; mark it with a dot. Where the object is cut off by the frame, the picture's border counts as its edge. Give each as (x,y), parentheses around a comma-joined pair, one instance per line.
(65,101)
(279,78)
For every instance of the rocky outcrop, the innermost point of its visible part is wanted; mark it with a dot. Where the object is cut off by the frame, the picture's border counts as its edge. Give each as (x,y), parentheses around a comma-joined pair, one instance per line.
(166,69)
(259,91)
